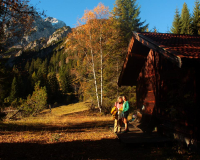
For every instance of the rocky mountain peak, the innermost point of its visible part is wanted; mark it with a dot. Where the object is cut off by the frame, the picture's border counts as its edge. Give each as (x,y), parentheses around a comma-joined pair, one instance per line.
(55,22)
(43,33)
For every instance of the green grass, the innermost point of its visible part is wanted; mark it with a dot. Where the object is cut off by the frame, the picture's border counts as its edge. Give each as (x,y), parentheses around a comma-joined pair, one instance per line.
(62,110)
(47,117)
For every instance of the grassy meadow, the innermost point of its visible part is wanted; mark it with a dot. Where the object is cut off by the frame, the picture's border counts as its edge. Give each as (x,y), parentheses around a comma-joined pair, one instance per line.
(72,132)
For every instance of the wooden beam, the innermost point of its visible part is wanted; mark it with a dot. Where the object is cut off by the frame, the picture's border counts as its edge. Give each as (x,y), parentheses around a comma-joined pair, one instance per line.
(148,42)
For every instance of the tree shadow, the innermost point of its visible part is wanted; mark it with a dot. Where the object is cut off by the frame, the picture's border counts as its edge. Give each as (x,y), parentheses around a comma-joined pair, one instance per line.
(77,127)
(82,149)
(101,149)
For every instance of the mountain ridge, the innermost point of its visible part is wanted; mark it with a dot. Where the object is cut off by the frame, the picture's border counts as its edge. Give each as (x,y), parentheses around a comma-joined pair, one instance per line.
(42,34)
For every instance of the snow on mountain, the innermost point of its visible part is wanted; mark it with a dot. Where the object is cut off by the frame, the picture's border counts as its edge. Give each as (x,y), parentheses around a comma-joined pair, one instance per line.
(55,22)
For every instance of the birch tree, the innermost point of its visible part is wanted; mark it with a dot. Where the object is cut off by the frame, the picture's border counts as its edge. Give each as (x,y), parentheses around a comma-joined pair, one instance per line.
(91,38)
(101,13)
(84,41)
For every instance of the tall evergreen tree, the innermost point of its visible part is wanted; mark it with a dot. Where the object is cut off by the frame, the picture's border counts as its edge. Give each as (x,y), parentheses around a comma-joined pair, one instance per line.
(3,83)
(26,68)
(14,90)
(52,87)
(127,13)
(185,20)
(31,68)
(176,25)
(196,18)
(65,81)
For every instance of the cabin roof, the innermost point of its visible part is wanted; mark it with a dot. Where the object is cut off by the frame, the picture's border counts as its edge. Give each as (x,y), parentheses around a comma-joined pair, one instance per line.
(181,45)
(174,47)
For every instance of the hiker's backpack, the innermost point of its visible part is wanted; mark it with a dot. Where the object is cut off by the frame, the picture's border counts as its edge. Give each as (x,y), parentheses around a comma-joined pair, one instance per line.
(114,112)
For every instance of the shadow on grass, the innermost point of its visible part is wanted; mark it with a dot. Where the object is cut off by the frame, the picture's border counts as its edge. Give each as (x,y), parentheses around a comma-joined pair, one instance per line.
(101,149)
(87,149)
(78,127)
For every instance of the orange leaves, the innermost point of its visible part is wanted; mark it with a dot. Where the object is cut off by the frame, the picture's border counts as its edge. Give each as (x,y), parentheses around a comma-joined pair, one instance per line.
(88,15)
(101,11)
(92,43)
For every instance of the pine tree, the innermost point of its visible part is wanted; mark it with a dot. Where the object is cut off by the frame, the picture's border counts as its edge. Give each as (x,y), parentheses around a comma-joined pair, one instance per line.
(21,85)
(35,102)
(52,87)
(196,18)
(26,68)
(3,83)
(44,68)
(176,26)
(185,20)
(31,68)
(65,81)
(127,13)
(14,90)
(34,78)
(37,64)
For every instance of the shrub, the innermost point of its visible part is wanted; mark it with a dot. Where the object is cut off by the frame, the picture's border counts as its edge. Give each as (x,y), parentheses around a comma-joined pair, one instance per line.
(37,102)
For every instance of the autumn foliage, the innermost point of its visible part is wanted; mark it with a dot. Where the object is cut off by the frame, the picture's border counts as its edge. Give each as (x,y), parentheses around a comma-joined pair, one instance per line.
(91,40)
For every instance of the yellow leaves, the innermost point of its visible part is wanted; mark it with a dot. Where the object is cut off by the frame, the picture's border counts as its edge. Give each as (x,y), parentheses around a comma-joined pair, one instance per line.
(88,15)
(101,11)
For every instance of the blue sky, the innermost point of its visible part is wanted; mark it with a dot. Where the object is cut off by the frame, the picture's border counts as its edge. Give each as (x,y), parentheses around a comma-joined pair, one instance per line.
(158,13)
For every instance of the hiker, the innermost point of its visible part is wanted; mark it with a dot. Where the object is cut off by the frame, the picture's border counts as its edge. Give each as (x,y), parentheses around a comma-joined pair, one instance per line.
(125,113)
(118,118)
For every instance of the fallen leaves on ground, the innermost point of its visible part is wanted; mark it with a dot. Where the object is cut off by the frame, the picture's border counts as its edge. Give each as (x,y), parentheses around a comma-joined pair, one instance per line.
(78,135)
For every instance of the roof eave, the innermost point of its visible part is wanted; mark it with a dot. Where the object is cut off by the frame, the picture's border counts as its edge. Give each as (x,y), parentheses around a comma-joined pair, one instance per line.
(149,43)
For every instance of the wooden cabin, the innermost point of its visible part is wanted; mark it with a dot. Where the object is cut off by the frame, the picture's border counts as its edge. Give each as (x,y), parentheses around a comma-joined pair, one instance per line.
(165,70)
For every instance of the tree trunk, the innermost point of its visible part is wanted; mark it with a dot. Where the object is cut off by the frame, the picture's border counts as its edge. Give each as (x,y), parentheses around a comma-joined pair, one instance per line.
(101,52)
(95,81)
(117,78)
(94,74)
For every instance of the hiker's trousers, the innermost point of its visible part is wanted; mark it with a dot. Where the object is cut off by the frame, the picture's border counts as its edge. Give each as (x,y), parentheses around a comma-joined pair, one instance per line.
(117,125)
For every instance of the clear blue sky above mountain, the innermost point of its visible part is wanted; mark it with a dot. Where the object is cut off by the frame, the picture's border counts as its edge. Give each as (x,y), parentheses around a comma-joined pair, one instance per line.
(158,13)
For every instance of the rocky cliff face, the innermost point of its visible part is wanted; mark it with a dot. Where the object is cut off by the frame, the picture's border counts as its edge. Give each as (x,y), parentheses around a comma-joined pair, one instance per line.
(58,34)
(44,42)
(55,22)
(42,28)
(44,33)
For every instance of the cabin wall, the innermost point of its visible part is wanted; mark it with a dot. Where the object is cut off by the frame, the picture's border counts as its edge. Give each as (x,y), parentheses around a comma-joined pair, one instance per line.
(197,99)
(171,94)
(146,89)
(177,101)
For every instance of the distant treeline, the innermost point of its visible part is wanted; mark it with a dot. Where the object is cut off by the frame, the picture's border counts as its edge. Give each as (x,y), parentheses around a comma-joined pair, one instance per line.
(185,23)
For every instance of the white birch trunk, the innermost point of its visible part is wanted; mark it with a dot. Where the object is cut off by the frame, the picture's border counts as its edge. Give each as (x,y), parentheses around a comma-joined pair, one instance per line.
(117,78)
(101,52)
(95,81)
(94,74)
